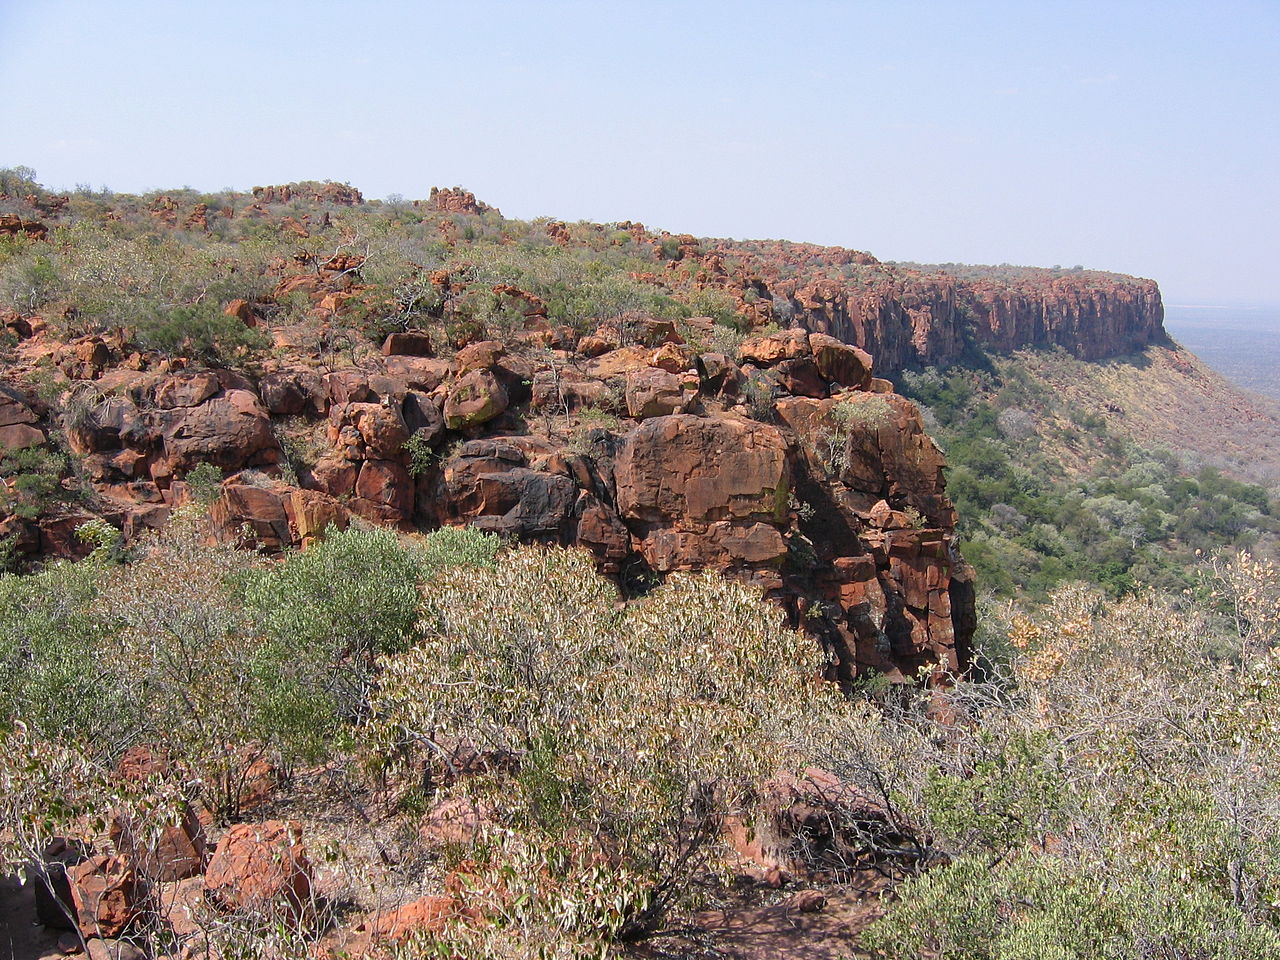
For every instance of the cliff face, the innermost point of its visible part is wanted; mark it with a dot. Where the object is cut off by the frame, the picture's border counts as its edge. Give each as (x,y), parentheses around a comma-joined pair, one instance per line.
(830,501)
(907,315)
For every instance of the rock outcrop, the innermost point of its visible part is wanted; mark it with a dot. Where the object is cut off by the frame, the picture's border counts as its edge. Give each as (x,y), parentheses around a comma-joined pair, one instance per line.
(818,488)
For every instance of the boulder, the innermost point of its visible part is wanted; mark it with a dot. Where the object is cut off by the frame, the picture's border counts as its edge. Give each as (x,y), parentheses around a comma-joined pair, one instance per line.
(186,389)
(420,373)
(292,392)
(386,487)
(840,362)
(262,509)
(653,392)
(765,351)
(476,398)
(484,355)
(687,467)
(408,343)
(231,430)
(261,868)
(108,894)
(178,851)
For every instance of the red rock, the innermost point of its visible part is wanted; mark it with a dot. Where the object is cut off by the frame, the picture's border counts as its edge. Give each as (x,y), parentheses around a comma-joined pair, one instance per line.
(476,398)
(262,510)
(484,355)
(387,484)
(142,761)
(420,373)
(231,430)
(594,346)
(841,363)
(455,200)
(186,389)
(108,896)
(242,310)
(176,853)
(18,436)
(673,357)
(454,822)
(15,226)
(408,343)
(335,476)
(260,867)
(703,469)
(767,350)
(653,392)
(312,513)
(291,392)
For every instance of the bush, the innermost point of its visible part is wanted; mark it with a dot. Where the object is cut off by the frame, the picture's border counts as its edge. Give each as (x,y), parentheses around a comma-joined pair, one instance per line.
(325,615)
(633,731)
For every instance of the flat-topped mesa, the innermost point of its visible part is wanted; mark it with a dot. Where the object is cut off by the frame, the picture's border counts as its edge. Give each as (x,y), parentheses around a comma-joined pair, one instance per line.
(909,315)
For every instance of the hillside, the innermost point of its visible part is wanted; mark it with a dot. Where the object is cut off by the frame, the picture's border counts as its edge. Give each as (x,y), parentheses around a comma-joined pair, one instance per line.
(399,579)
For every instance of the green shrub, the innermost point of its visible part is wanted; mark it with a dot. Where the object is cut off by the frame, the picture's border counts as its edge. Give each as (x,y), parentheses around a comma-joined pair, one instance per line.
(635,730)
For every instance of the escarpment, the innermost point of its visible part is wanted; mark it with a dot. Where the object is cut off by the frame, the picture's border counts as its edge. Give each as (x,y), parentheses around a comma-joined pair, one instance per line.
(911,315)
(665,402)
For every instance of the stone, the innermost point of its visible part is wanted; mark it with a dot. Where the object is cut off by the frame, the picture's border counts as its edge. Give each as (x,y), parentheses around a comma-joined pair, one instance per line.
(231,430)
(109,949)
(484,355)
(476,398)
(429,915)
(260,867)
(702,468)
(420,373)
(841,363)
(653,392)
(291,392)
(177,852)
(408,343)
(186,389)
(261,509)
(765,351)
(311,513)
(385,484)
(108,895)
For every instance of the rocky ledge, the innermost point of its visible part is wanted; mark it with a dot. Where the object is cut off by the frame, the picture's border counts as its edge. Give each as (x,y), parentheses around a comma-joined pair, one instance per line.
(792,468)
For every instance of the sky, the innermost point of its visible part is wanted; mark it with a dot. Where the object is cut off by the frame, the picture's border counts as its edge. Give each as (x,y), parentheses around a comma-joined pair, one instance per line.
(1139,137)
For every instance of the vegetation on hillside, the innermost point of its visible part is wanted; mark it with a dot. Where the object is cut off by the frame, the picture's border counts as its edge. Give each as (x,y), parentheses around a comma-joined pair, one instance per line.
(1106,792)
(1047,494)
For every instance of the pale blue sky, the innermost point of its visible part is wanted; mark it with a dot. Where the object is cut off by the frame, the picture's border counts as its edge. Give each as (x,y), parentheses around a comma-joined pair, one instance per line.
(1139,137)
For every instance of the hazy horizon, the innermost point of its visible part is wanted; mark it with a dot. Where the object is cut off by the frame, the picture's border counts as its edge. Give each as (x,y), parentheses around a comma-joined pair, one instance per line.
(1138,138)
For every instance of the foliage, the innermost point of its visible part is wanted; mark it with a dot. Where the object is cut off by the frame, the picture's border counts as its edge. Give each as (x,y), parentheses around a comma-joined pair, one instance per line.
(205,481)
(1136,517)
(324,615)
(634,730)
(1119,762)
(31,480)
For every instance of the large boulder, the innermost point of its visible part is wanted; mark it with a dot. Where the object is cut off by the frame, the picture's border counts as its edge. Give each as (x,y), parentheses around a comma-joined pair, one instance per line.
(703,468)
(108,894)
(477,397)
(840,362)
(231,430)
(18,422)
(177,851)
(261,868)
(655,392)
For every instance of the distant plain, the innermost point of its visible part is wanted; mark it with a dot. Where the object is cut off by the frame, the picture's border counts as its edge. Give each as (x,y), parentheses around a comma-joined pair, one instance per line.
(1240,342)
